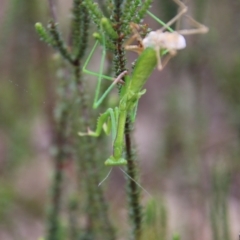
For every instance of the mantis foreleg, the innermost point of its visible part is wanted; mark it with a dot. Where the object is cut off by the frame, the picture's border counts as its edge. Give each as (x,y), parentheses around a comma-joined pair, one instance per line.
(112,120)
(107,121)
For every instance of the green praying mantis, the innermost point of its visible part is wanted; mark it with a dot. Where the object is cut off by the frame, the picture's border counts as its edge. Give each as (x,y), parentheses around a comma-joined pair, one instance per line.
(156,43)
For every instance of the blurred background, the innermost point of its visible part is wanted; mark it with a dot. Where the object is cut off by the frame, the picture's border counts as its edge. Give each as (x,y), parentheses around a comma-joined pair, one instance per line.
(187,130)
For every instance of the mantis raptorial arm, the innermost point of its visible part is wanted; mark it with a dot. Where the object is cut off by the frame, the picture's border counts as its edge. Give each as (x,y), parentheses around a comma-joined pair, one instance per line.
(112,120)
(107,121)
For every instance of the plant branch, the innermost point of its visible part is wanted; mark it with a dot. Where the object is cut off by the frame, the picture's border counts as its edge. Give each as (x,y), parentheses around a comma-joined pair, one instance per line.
(52,8)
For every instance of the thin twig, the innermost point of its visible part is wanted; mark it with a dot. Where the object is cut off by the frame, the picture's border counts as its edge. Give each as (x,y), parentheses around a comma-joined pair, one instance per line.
(52,8)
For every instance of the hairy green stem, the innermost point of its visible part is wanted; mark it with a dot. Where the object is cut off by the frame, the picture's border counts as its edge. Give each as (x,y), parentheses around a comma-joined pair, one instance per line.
(53,232)
(133,191)
(96,207)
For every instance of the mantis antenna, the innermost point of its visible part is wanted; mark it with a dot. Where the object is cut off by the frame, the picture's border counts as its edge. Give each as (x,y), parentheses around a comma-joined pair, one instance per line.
(128,176)
(105,177)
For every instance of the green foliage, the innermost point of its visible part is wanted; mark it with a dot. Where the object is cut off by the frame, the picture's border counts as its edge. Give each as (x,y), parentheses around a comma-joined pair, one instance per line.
(105,23)
(58,41)
(77,24)
(155,220)
(218,207)
(71,114)
(53,38)
(90,220)
(176,237)
(94,11)
(117,26)
(43,34)
(80,25)
(141,12)
(7,196)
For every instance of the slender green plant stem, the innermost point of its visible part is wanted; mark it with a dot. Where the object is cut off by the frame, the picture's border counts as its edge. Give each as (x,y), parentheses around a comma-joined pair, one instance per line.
(135,209)
(95,205)
(73,219)
(119,54)
(53,232)
(54,214)
(133,192)
(60,139)
(52,8)
(96,209)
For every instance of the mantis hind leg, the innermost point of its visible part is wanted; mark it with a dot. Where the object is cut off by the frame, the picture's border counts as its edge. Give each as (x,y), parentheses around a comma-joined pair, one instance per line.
(85,70)
(98,100)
